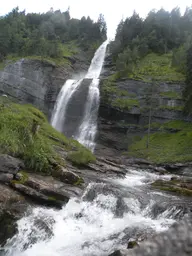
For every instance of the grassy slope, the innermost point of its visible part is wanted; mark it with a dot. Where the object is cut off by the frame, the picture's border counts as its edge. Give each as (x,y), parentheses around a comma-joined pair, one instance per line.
(158,68)
(172,143)
(26,133)
(67,49)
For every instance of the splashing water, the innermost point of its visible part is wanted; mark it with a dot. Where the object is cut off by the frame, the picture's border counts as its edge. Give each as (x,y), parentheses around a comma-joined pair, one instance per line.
(89,226)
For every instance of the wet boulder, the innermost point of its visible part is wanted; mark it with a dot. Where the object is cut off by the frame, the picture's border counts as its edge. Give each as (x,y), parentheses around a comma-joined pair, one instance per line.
(66,176)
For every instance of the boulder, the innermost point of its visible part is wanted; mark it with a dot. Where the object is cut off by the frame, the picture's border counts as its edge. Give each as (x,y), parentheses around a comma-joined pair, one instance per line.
(132,244)
(37,196)
(9,164)
(66,176)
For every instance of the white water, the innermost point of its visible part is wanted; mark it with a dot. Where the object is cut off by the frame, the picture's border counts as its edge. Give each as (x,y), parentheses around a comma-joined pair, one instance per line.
(88,128)
(84,228)
(63,98)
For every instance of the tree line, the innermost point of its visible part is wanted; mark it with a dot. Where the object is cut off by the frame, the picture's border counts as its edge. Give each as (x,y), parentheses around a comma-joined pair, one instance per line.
(43,34)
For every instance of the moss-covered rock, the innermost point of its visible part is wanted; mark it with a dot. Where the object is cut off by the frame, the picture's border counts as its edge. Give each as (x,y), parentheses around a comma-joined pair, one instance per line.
(178,186)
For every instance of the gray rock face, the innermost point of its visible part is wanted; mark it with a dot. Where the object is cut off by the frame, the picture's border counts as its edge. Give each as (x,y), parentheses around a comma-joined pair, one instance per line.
(9,164)
(33,81)
(38,82)
(118,127)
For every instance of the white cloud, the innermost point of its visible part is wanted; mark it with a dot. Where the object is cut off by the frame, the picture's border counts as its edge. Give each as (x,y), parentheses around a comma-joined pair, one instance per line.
(113,10)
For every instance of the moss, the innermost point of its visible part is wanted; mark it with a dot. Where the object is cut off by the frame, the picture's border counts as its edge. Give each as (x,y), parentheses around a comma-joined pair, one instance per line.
(17,137)
(176,108)
(23,179)
(81,157)
(79,182)
(166,146)
(51,198)
(125,103)
(171,95)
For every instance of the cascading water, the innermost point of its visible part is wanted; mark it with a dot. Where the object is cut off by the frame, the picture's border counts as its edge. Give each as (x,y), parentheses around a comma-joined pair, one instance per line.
(61,104)
(88,128)
(104,219)
(86,132)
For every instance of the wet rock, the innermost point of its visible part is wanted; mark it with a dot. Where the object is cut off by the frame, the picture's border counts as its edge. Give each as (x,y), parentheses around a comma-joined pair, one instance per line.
(66,176)
(132,244)
(37,196)
(122,252)
(8,225)
(179,186)
(9,164)
(12,208)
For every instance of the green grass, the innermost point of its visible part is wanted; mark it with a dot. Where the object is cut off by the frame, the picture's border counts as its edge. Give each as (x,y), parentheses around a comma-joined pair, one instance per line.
(166,146)
(175,108)
(81,158)
(157,67)
(171,95)
(26,133)
(67,50)
(125,103)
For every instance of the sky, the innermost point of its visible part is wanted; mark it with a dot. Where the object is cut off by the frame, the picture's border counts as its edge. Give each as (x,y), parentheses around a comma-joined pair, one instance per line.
(113,10)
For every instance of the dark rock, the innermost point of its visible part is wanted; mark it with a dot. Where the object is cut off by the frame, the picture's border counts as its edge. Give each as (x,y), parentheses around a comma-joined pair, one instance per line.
(8,226)
(12,207)
(9,164)
(37,196)
(6,177)
(122,252)
(132,244)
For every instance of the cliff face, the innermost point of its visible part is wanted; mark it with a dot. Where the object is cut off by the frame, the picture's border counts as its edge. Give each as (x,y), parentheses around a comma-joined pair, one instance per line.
(124,109)
(38,82)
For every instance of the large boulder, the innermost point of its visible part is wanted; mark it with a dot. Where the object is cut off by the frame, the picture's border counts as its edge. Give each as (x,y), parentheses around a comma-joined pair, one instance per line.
(66,176)
(9,164)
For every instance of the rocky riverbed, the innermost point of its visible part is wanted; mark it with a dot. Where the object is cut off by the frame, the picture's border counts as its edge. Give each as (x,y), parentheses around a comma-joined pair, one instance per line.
(119,189)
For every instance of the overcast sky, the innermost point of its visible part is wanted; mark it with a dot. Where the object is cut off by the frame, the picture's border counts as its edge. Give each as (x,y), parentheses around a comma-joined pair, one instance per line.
(113,10)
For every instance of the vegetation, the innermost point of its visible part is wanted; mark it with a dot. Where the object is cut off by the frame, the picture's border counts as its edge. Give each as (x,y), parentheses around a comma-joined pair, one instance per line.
(166,145)
(26,133)
(154,48)
(48,35)
(81,158)
(171,95)
(125,103)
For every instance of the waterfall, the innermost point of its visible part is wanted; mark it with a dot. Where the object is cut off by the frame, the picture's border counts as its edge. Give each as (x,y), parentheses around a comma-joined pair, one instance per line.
(88,128)
(61,104)
(86,131)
